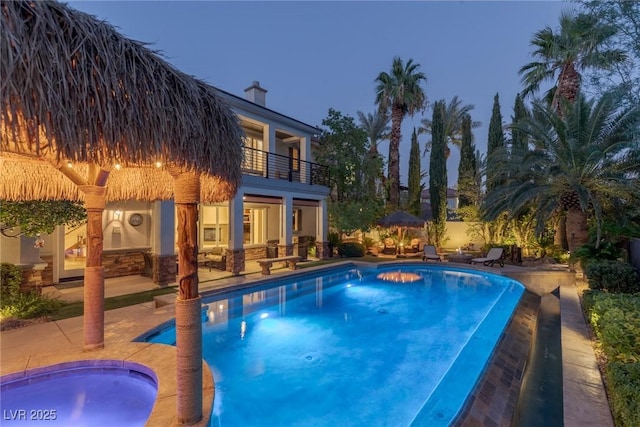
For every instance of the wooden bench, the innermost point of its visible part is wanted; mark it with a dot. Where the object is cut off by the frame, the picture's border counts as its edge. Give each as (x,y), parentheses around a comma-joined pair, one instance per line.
(266,263)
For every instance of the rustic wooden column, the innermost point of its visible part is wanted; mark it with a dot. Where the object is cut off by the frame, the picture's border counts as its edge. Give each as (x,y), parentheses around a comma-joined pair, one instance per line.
(188,304)
(93,321)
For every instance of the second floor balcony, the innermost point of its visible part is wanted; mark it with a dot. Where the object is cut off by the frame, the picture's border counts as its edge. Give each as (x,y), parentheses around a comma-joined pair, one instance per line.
(276,166)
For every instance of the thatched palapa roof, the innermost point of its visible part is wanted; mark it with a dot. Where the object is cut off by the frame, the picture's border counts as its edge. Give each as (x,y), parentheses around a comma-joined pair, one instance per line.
(75,92)
(400,219)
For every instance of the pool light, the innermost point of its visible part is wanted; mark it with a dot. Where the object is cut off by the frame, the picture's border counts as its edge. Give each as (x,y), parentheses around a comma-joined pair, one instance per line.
(399,276)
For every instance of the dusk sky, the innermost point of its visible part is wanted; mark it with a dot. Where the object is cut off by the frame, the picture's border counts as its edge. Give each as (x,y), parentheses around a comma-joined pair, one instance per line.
(312,56)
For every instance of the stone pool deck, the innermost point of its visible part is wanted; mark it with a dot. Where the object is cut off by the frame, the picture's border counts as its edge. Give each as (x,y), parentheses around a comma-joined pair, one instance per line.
(492,404)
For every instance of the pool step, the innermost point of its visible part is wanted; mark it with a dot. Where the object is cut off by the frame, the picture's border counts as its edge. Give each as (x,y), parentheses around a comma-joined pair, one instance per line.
(163,300)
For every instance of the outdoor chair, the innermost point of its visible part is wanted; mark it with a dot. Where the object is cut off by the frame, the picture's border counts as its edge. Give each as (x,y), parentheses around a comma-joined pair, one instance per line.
(389,247)
(413,247)
(429,252)
(494,255)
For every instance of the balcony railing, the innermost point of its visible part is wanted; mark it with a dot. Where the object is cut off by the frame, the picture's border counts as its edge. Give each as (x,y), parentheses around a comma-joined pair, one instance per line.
(276,166)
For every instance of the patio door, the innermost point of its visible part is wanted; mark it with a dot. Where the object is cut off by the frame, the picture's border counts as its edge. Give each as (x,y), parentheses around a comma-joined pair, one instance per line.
(71,251)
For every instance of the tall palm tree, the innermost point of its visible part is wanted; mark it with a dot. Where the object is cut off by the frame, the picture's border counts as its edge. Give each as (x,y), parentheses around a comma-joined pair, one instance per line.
(376,125)
(454,113)
(577,45)
(401,91)
(581,163)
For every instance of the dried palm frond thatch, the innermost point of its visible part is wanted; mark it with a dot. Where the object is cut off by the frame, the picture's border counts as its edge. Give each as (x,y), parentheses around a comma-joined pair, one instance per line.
(21,178)
(74,90)
(78,100)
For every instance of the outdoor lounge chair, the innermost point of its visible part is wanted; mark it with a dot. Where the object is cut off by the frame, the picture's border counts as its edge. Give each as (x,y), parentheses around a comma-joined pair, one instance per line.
(389,247)
(494,255)
(429,252)
(413,247)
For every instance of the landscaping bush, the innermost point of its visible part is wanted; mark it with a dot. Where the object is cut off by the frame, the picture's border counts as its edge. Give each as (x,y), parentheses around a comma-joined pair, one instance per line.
(624,392)
(350,250)
(615,320)
(613,276)
(333,239)
(10,280)
(368,243)
(17,304)
(604,251)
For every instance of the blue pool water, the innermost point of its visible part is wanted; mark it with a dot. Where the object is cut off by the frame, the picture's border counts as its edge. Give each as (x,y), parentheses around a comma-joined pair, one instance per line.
(348,348)
(74,394)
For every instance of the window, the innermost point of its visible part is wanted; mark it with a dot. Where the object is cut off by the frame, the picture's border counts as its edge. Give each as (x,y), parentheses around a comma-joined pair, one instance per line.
(297,214)
(254,157)
(215,225)
(254,226)
(210,234)
(294,159)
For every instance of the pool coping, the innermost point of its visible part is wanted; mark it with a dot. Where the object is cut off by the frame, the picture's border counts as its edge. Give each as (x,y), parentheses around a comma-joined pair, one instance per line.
(493,401)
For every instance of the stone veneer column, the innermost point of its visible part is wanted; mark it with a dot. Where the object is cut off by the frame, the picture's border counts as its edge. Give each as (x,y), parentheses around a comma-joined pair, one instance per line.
(163,269)
(322,250)
(32,276)
(235,261)
(285,250)
(163,243)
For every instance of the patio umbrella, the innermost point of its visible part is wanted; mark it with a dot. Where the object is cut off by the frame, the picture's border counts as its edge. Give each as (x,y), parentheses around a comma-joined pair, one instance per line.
(90,115)
(400,219)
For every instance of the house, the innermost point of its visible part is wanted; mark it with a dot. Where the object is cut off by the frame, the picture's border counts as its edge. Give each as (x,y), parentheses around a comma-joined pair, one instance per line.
(281,203)
(452,198)
(452,205)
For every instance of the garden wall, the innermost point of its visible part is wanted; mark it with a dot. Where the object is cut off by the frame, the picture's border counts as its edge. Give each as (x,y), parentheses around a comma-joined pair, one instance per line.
(456,232)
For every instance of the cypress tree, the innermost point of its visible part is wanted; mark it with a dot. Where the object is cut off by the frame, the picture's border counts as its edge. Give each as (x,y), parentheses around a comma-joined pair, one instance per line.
(519,138)
(415,177)
(438,172)
(495,143)
(467,169)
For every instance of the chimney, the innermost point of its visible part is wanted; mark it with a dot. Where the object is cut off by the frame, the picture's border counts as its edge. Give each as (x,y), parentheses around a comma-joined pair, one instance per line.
(256,94)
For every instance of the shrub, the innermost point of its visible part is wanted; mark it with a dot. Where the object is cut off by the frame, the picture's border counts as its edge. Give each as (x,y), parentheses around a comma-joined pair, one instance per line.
(616,323)
(624,392)
(333,239)
(18,304)
(613,276)
(351,250)
(615,319)
(368,242)
(28,305)
(10,280)
(589,252)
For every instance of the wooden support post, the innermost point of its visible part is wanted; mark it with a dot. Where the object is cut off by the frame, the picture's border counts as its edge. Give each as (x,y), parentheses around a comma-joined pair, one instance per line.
(93,321)
(188,307)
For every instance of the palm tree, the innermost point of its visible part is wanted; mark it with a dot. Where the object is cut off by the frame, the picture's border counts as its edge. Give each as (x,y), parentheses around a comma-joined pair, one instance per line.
(579,44)
(401,91)
(454,113)
(377,128)
(582,163)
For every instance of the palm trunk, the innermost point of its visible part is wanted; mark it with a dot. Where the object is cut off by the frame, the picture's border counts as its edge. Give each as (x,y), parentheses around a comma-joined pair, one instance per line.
(95,191)
(93,311)
(560,235)
(188,306)
(394,157)
(568,86)
(577,230)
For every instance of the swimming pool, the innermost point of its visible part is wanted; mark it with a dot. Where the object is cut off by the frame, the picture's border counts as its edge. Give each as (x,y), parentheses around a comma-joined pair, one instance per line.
(353,346)
(81,393)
